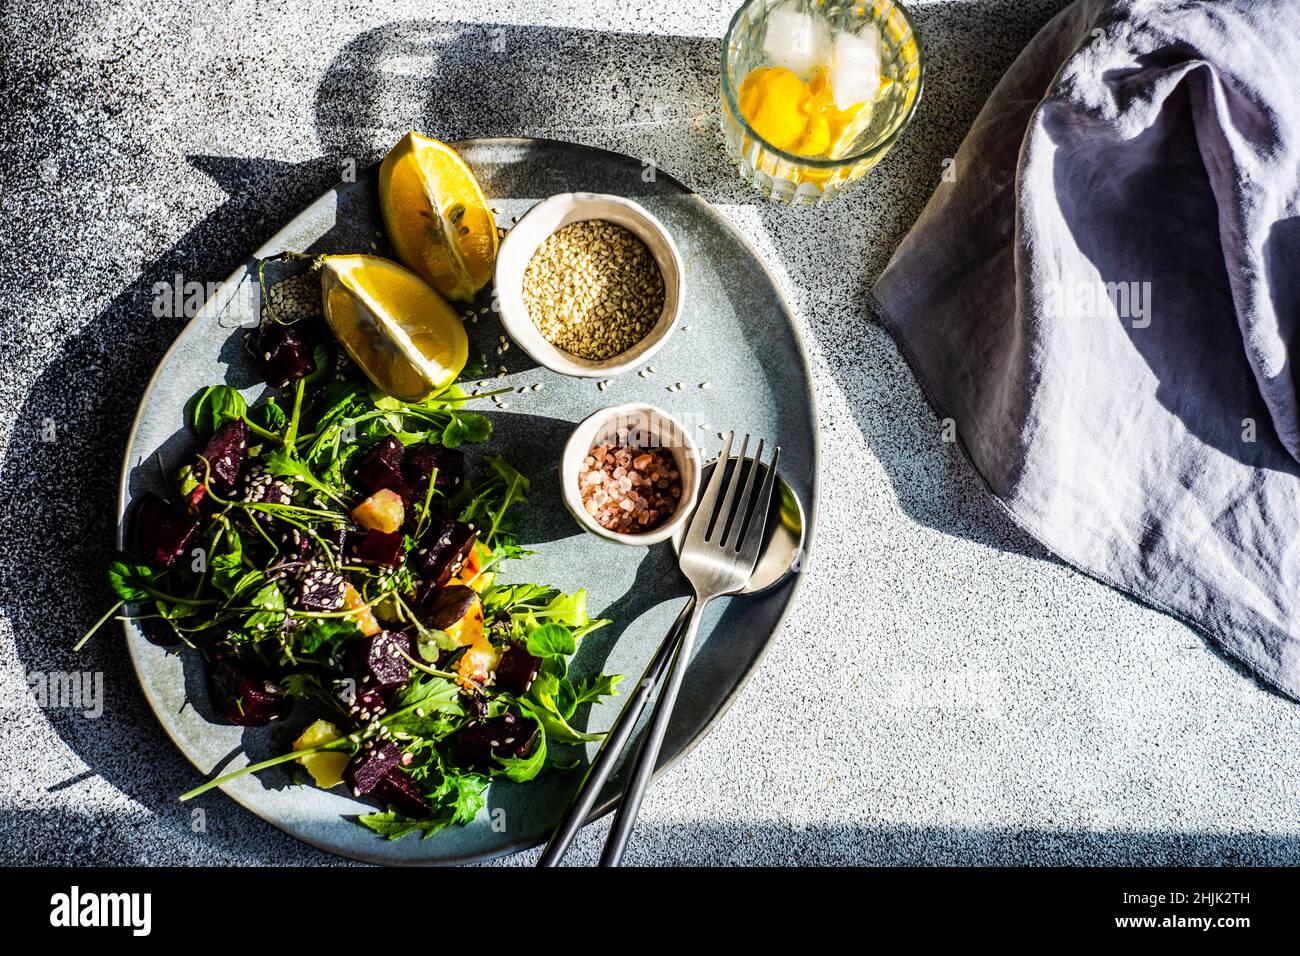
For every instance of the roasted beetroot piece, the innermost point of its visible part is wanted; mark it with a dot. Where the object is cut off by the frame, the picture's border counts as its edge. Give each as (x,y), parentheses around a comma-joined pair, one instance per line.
(244,694)
(378,547)
(162,534)
(225,452)
(336,540)
(381,467)
(261,488)
(403,794)
(368,768)
(285,356)
(450,543)
(506,736)
(476,705)
(419,465)
(319,589)
(377,661)
(444,607)
(294,545)
(369,704)
(517,670)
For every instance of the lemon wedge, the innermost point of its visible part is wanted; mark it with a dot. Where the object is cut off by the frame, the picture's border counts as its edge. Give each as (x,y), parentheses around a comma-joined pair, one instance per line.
(393,324)
(437,216)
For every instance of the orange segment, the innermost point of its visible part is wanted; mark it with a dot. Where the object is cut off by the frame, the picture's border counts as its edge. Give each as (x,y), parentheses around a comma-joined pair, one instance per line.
(772,100)
(437,216)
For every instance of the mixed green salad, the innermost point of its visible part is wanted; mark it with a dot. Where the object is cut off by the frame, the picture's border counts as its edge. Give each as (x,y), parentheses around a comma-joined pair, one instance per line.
(328,553)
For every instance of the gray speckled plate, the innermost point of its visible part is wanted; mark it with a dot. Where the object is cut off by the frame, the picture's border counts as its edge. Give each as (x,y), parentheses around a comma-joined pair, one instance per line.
(740,339)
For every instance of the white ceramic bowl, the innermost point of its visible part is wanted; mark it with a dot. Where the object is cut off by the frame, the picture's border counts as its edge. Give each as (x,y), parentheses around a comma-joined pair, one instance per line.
(538,225)
(648,426)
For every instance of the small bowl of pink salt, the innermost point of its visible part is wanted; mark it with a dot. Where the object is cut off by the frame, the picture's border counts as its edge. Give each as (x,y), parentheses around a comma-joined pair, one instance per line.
(631,474)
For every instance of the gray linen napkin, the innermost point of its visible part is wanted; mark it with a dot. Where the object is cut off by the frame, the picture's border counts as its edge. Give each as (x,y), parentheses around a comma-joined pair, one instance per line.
(1105,300)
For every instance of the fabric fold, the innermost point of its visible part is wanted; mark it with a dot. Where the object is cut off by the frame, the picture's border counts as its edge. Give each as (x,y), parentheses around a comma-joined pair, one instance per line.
(1104,301)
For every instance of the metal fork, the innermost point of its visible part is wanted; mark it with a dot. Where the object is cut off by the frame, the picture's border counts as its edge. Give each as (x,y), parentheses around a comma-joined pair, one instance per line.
(718,558)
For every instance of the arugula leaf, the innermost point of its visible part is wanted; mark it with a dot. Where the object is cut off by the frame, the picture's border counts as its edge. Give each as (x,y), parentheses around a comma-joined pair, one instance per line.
(304,685)
(228,567)
(542,707)
(589,690)
(130,580)
(567,609)
(216,405)
(428,706)
(271,602)
(319,632)
(457,799)
(282,465)
(461,794)
(523,769)
(394,826)
(508,597)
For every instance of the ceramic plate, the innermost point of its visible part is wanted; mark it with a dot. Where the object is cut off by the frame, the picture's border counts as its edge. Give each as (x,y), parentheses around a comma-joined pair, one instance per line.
(737,335)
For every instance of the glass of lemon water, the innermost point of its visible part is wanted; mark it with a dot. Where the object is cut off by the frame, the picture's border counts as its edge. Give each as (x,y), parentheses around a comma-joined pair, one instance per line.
(815,92)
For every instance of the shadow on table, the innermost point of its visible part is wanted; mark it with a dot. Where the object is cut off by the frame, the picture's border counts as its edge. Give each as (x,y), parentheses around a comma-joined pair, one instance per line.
(111,839)
(59,478)
(740,844)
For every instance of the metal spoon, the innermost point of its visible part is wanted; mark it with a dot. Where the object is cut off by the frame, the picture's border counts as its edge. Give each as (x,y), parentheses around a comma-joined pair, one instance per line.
(781,552)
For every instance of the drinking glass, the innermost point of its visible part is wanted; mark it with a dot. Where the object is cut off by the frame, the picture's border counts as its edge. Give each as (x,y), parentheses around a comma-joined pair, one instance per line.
(805,180)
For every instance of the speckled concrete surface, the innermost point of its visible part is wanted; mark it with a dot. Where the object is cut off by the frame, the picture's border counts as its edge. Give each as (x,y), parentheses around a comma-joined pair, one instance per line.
(942,694)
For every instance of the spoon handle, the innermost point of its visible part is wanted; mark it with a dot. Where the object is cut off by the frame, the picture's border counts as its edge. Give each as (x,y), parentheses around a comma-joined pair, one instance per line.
(613,744)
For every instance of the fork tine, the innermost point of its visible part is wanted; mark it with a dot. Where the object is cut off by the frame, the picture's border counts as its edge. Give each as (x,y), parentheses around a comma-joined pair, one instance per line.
(725,512)
(753,539)
(732,540)
(699,525)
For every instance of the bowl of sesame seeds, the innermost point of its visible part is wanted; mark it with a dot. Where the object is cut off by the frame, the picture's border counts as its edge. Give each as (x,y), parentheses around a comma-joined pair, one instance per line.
(589,284)
(630,473)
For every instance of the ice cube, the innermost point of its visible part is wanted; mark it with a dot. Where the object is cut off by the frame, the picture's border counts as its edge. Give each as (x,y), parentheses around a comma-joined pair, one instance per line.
(796,40)
(855,68)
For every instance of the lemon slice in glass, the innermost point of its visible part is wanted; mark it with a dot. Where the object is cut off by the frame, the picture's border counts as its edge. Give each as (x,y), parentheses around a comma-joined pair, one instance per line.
(394,325)
(437,216)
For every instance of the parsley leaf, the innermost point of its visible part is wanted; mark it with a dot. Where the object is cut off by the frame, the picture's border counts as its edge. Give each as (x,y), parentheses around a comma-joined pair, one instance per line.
(466,427)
